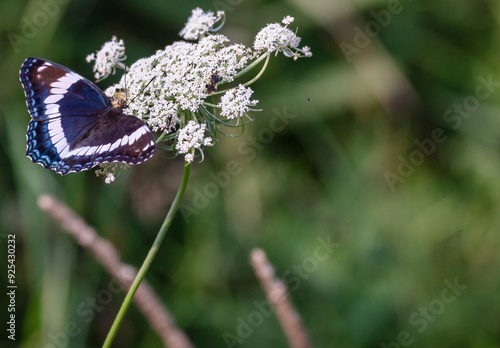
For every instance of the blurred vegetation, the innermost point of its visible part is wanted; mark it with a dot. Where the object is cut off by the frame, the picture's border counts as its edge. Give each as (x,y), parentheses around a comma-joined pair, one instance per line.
(346,169)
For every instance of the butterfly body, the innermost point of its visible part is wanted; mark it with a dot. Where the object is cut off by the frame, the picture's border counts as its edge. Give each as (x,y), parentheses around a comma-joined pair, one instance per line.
(74,125)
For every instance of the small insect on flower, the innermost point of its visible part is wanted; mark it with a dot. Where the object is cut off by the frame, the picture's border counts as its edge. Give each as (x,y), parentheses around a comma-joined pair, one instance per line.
(212,85)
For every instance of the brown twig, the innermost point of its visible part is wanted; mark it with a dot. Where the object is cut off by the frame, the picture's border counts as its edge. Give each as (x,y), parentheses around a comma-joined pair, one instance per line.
(145,298)
(277,294)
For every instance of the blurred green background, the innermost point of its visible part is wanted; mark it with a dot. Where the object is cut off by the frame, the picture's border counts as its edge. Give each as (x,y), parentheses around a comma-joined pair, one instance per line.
(391,150)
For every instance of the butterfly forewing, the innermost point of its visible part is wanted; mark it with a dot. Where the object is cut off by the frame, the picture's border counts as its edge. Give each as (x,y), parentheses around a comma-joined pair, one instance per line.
(53,90)
(74,126)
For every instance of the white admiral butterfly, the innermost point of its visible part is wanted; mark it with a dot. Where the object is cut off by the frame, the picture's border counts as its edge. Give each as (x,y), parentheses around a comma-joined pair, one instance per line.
(74,125)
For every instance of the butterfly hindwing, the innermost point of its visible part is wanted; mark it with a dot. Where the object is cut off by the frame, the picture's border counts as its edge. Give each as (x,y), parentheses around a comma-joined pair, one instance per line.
(117,139)
(74,127)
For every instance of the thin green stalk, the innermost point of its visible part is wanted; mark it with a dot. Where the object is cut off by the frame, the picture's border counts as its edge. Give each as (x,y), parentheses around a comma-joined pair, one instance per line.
(149,258)
(260,72)
(215,106)
(250,67)
(244,71)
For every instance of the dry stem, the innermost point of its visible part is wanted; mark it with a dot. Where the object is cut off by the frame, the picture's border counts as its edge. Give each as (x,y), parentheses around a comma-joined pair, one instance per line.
(278,295)
(146,299)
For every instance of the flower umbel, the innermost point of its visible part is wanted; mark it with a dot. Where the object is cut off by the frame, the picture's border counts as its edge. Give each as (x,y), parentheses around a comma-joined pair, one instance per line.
(236,102)
(191,138)
(186,92)
(200,23)
(108,58)
(278,38)
(183,91)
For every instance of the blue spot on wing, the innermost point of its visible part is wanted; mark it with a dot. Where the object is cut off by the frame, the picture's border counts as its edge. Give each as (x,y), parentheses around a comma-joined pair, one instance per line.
(39,145)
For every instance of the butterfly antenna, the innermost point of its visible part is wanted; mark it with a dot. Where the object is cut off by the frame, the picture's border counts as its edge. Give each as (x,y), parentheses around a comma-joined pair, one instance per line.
(143,88)
(125,78)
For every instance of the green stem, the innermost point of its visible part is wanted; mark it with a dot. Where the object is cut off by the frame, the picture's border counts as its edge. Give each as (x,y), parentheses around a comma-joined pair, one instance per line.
(211,105)
(250,67)
(260,72)
(244,71)
(149,259)
(160,138)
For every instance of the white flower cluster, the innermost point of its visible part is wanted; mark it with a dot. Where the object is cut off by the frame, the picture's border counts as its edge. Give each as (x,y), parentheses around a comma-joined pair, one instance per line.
(108,58)
(108,170)
(277,38)
(175,90)
(287,20)
(236,102)
(109,178)
(178,77)
(200,23)
(192,137)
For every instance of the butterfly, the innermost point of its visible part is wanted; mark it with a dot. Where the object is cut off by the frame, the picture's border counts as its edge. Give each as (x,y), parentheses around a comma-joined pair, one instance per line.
(74,126)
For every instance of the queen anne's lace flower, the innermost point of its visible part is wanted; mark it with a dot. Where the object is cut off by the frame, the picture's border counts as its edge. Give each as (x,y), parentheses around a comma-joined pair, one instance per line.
(175,90)
(200,23)
(274,37)
(191,137)
(110,56)
(178,77)
(278,38)
(236,102)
